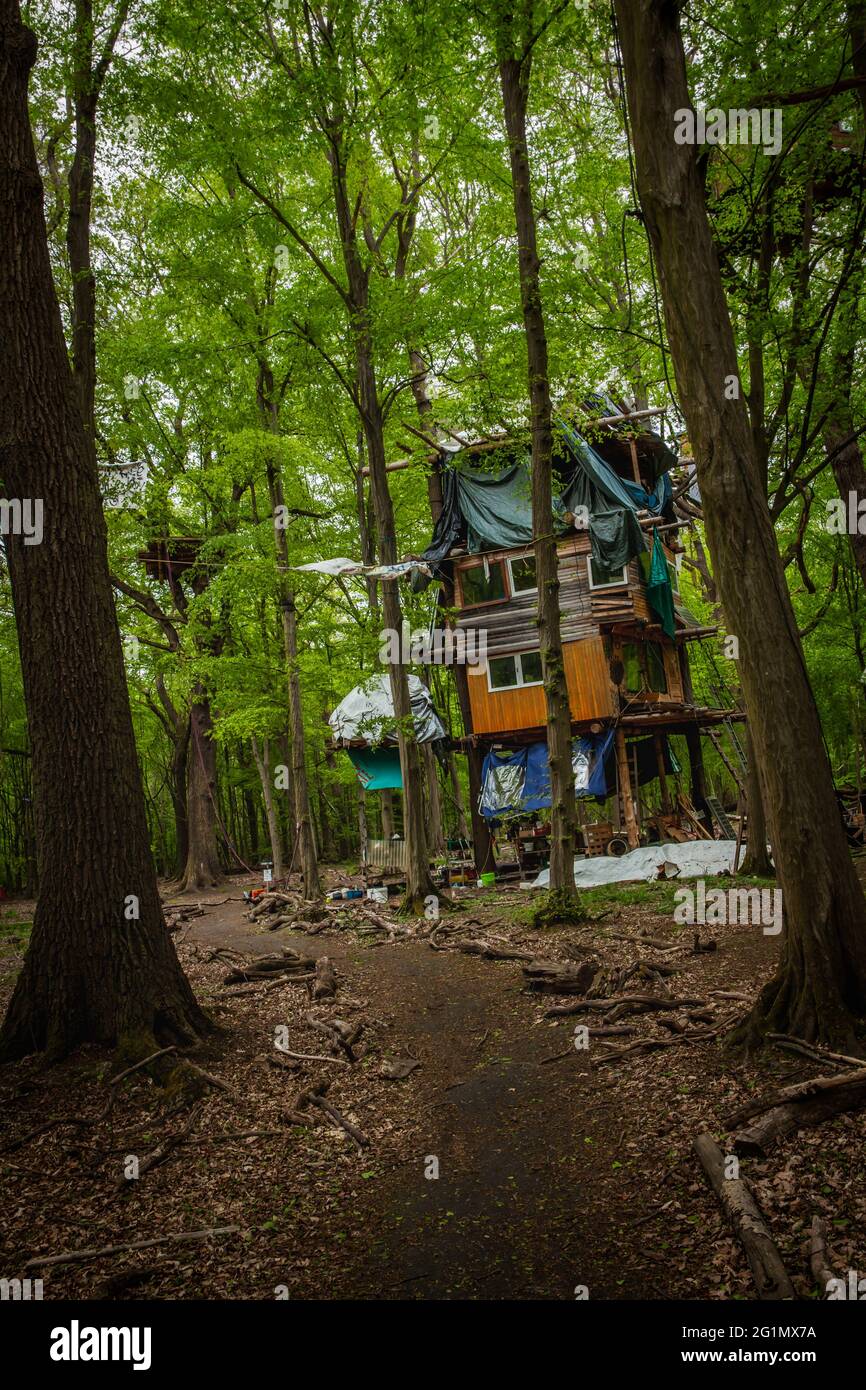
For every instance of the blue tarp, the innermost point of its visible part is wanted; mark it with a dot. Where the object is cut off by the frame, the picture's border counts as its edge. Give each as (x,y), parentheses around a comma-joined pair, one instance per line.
(519,782)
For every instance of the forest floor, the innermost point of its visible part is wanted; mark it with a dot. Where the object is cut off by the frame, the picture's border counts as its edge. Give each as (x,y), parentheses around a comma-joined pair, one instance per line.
(557,1170)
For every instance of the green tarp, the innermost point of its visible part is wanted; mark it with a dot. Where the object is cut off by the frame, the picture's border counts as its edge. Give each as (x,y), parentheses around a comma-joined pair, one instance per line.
(497,506)
(658,588)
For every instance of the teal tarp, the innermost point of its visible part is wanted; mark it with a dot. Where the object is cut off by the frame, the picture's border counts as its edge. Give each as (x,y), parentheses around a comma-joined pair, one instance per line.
(658,588)
(377,768)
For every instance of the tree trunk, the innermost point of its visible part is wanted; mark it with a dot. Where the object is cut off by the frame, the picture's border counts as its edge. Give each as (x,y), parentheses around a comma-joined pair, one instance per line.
(177,789)
(386,810)
(820,988)
(362,825)
(263,763)
(435,832)
(457,793)
(203,868)
(756,862)
(304,844)
(304,836)
(514,75)
(101,965)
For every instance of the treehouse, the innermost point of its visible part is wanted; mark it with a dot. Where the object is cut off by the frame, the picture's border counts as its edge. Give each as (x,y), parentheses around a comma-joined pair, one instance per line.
(625,630)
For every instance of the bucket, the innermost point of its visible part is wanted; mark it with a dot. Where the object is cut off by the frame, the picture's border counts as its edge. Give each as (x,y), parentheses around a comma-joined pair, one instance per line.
(487,880)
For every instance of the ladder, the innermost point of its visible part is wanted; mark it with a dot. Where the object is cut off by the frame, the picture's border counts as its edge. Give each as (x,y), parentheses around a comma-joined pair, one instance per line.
(720,818)
(717,744)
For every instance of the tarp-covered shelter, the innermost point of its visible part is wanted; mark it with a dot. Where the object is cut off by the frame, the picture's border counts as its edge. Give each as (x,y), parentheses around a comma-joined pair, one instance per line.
(366,715)
(487,509)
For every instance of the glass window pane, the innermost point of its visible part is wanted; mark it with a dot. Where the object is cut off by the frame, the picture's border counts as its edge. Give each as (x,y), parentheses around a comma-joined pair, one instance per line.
(655,662)
(633,678)
(480,588)
(601,575)
(523,574)
(531,664)
(674,576)
(503,673)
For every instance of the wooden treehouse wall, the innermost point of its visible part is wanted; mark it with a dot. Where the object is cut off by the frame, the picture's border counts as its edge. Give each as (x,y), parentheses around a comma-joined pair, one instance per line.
(510,627)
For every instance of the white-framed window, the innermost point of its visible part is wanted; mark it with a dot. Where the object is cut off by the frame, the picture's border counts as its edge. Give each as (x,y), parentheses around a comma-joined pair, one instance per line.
(601,578)
(521,569)
(674,574)
(512,672)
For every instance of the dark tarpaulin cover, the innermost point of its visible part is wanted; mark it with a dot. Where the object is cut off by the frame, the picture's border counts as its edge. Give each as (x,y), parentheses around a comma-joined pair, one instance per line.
(492,509)
(615,534)
(489,510)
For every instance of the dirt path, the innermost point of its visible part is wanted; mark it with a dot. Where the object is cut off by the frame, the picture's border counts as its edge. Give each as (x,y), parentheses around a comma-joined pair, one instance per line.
(531,1197)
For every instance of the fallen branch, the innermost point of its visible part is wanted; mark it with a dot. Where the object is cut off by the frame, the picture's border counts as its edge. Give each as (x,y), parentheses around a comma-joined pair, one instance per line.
(747,1222)
(315,1095)
(797,1107)
(821,1271)
(96,1253)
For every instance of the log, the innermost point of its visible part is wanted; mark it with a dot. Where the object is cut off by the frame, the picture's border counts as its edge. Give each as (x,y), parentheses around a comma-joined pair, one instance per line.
(558,977)
(758,1138)
(746,1221)
(325,984)
(854,1081)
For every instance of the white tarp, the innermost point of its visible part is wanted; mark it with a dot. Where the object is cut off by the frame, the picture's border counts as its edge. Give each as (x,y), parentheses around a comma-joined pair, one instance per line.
(367,713)
(335,567)
(694,859)
(340,566)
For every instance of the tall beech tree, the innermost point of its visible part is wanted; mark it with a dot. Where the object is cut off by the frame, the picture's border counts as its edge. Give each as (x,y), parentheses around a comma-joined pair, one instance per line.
(819,990)
(101,964)
(517,33)
(322,65)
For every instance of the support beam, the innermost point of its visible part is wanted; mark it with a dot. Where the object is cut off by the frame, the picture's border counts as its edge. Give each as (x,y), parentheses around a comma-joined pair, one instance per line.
(625,791)
(658,744)
(698,780)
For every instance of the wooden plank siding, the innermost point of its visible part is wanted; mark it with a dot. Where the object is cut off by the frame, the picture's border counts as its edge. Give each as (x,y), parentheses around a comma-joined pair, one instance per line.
(510,627)
(590,694)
